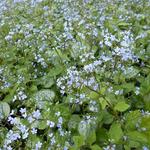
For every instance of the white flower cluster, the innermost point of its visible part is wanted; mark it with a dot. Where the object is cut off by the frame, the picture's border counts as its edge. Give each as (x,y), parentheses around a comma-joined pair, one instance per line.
(110,147)
(20,96)
(22,131)
(40,60)
(87,56)
(34,116)
(38,146)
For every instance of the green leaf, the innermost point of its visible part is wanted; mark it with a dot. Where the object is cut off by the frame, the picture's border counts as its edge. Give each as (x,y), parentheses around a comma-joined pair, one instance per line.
(73,122)
(103,103)
(146,99)
(108,118)
(145,122)
(78,140)
(121,106)
(132,118)
(128,87)
(95,147)
(91,138)
(134,144)
(84,129)
(32,141)
(145,88)
(87,130)
(56,71)
(131,72)
(42,125)
(123,25)
(137,137)
(126,147)
(115,132)
(94,95)
(47,81)
(33,88)
(102,135)
(3,132)
(4,110)
(35,124)
(43,96)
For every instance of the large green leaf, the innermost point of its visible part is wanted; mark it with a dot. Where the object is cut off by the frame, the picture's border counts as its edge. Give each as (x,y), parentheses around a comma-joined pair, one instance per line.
(47,81)
(3,132)
(73,122)
(115,132)
(121,106)
(107,117)
(45,95)
(145,122)
(138,137)
(84,129)
(131,119)
(95,147)
(4,110)
(42,124)
(56,71)
(91,137)
(131,72)
(94,95)
(103,103)
(78,140)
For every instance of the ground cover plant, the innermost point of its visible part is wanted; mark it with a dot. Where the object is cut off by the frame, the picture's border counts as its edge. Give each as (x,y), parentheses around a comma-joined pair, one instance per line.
(75,75)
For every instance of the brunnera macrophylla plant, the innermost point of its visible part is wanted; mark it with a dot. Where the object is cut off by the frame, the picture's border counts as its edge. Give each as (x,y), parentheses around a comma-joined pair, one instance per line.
(74,75)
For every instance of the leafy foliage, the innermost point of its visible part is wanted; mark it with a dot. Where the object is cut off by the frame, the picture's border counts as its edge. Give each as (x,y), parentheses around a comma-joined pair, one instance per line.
(74,75)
